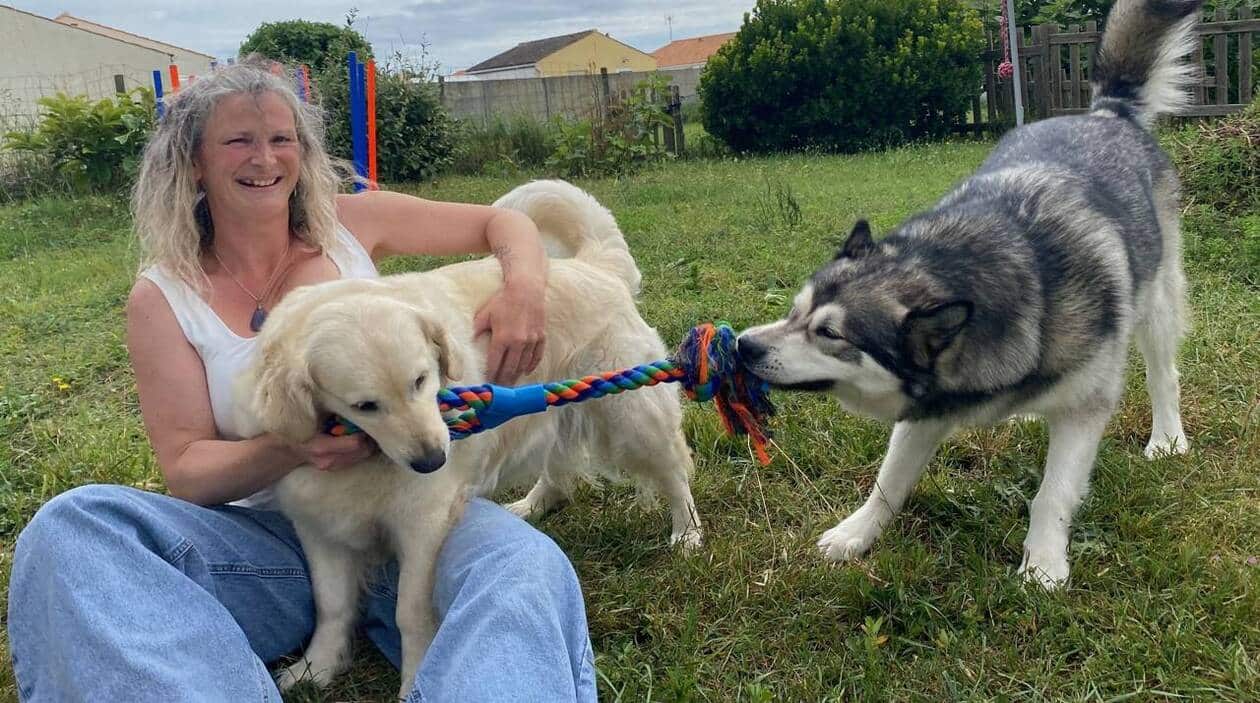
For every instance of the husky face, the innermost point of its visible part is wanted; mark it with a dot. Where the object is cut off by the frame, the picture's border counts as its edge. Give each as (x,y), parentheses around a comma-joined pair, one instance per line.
(859,332)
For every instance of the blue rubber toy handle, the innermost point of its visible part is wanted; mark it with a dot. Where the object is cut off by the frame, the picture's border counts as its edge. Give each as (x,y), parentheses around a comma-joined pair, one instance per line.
(512,402)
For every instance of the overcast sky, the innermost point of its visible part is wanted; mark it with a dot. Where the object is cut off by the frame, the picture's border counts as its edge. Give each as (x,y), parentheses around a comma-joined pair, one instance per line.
(459,33)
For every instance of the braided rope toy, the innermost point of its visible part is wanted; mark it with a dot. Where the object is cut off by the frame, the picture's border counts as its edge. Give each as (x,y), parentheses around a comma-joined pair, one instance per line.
(705,364)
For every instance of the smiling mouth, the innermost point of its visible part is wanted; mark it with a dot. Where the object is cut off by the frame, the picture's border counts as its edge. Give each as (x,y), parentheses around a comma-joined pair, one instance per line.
(258,182)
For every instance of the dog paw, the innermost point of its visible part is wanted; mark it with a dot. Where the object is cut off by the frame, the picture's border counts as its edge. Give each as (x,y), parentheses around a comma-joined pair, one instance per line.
(850,539)
(292,675)
(523,508)
(1166,446)
(308,670)
(1046,569)
(688,539)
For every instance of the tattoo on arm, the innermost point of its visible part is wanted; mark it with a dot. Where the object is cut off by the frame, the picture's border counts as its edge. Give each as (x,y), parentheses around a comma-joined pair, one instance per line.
(503,253)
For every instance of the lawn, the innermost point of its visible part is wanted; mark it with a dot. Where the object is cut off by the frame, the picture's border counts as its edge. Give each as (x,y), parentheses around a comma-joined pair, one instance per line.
(1164,602)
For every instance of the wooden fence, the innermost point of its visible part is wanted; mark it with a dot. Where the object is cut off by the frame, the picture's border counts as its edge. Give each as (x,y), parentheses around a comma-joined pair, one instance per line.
(1056,65)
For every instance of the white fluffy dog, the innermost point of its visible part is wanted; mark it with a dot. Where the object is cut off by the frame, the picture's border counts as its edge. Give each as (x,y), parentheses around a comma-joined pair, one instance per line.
(377,351)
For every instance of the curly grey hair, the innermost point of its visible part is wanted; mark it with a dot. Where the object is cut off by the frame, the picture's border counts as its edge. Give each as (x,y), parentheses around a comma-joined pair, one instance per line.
(172,220)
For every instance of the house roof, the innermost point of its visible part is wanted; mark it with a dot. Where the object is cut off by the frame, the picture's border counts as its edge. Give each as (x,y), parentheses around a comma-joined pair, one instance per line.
(530,52)
(113,33)
(683,52)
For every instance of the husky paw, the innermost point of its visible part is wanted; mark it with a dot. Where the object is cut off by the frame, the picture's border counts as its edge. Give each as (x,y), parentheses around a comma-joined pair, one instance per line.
(850,539)
(1166,446)
(688,539)
(1048,569)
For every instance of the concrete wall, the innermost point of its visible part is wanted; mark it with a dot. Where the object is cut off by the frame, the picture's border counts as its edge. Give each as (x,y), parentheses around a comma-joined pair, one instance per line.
(544,98)
(39,57)
(593,52)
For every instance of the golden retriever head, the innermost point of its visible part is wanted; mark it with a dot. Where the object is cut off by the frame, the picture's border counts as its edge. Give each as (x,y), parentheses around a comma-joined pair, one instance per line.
(347,349)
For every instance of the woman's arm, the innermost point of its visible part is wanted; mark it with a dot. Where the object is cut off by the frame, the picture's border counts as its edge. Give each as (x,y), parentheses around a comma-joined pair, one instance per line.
(175,403)
(394,223)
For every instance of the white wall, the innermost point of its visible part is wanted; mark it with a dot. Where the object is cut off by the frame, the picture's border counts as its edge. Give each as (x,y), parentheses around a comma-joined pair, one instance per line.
(39,57)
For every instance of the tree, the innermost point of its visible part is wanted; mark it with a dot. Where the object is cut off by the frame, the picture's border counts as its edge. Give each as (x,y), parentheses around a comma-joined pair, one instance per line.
(842,74)
(315,44)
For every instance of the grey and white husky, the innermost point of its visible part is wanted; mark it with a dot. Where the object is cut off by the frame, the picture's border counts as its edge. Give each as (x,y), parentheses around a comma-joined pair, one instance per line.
(1016,294)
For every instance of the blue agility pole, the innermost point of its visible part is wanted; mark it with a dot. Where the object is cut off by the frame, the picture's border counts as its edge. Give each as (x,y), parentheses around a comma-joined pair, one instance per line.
(358,118)
(299,84)
(157,94)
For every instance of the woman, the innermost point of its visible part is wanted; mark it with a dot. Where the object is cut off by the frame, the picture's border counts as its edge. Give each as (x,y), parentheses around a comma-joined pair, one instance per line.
(118,594)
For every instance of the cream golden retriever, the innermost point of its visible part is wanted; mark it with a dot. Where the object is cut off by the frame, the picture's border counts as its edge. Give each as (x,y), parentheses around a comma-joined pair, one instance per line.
(376,351)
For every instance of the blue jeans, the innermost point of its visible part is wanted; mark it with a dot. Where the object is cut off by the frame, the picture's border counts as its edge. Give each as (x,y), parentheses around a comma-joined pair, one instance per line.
(122,595)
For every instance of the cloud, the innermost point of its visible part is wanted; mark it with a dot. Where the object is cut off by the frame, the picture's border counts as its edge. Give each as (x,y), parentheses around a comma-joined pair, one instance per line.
(456,33)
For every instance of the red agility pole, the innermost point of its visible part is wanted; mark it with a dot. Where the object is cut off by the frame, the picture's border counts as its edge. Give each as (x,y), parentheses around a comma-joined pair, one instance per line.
(371,120)
(174,71)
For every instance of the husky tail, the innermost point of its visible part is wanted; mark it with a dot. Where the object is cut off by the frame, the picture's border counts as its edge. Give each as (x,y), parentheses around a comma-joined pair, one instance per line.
(574,224)
(1139,72)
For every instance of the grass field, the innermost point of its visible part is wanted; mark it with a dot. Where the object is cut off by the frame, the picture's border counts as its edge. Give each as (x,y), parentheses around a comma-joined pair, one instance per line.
(1164,602)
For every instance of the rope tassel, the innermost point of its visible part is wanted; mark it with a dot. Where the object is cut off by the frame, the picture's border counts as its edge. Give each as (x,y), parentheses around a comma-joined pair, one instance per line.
(705,364)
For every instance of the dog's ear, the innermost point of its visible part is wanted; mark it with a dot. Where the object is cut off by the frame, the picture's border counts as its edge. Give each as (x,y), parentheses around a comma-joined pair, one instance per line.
(448,363)
(281,391)
(859,242)
(929,331)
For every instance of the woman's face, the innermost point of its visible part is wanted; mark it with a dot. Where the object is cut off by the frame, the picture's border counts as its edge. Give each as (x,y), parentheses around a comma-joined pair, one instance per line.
(249,158)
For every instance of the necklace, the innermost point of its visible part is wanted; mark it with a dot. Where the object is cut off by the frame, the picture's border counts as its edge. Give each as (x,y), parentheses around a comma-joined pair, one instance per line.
(260,313)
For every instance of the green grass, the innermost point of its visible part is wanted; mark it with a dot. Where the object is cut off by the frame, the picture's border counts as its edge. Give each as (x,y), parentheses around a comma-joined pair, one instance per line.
(1163,604)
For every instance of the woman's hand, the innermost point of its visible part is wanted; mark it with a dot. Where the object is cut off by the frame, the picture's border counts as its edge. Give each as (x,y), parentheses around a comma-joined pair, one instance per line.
(515,317)
(328,453)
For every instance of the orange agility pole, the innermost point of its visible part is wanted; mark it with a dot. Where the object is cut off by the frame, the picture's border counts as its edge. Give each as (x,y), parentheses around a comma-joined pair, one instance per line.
(174,71)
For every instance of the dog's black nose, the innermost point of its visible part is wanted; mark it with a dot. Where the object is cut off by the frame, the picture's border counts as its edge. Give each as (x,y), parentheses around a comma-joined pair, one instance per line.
(749,351)
(430,462)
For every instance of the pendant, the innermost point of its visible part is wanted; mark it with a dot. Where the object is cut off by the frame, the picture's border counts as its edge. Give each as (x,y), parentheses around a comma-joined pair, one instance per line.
(257,319)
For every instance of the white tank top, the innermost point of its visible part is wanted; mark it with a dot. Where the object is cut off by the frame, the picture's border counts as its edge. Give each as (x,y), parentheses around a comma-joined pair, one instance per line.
(225,353)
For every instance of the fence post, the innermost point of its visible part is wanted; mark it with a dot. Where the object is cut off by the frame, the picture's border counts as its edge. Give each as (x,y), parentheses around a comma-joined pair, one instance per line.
(1087,96)
(1200,74)
(1041,36)
(1244,59)
(485,104)
(1220,57)
(675,104)
(606,97)
(1054,71)
(1074,69)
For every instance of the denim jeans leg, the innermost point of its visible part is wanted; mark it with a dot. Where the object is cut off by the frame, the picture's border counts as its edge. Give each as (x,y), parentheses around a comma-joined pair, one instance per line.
(512,622)
(118,594)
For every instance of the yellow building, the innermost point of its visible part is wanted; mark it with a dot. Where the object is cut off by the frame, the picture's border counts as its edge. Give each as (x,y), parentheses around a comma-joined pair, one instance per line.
(567,55)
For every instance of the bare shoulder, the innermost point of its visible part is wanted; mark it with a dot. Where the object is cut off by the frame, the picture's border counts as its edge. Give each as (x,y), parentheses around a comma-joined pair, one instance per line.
(151,322)
(361,214)
(145,300)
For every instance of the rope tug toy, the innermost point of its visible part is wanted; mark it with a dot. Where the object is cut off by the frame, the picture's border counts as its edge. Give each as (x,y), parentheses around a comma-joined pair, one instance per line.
(705,364)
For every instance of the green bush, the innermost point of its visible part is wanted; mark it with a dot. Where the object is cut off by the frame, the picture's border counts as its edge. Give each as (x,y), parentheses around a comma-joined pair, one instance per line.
(606,142)
(505,146)
(415,136)
(1219,161)
(843,74)
(616,140)
(90,145)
